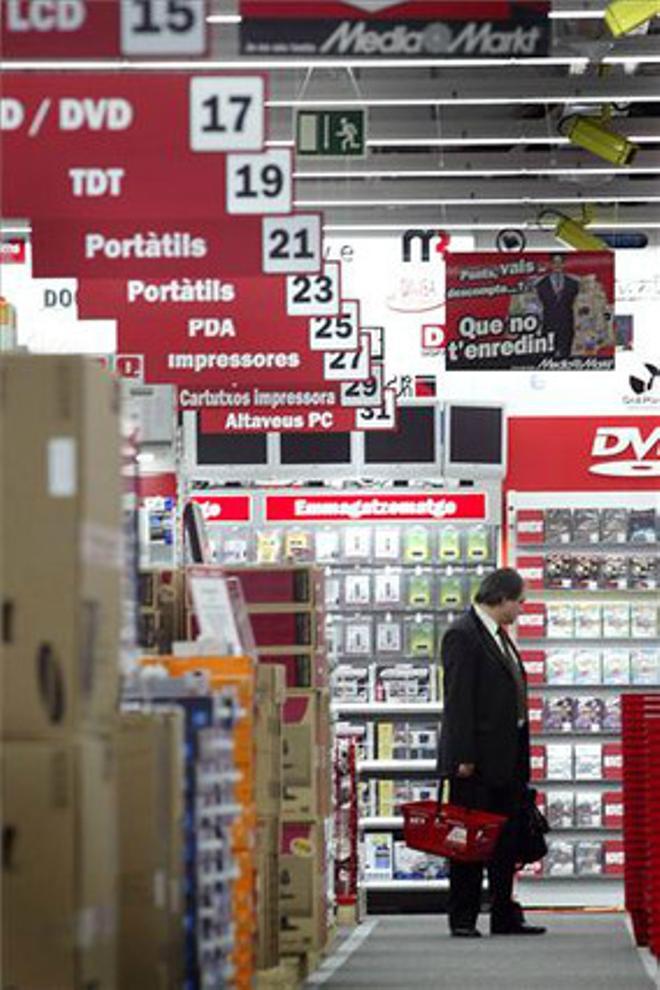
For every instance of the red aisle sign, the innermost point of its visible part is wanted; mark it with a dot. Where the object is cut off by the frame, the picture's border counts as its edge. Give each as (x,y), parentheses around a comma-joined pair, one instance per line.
(361,508)
(224,508)
(71,29)
(281,419)
(534,310)
(583,453)
(123,145)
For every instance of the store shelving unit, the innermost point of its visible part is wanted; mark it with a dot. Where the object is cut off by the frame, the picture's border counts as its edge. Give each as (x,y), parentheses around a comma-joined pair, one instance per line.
(590,633)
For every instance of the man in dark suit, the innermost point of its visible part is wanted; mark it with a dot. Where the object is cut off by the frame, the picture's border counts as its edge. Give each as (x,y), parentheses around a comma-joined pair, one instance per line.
(484,746)
(557,292)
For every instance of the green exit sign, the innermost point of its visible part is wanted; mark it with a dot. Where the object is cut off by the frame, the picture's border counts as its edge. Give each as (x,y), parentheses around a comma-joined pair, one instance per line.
(336,133)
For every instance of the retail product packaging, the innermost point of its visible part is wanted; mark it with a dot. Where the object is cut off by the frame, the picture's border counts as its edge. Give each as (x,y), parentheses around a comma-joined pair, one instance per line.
(357,590)
(532,621)
(589,714)
(612,761)
(644,620)
(560,622)
(558,571)
(417,545)
(560,859)
(404,683)
(588,669)
(378,856)
(586,526)
(306,759)
(530,526)
(558,526)
(410,864)
(268,892)
(616,666)
(588,809)
(59,869)
(588,858)
(558,715)
(61,546)
(268,725)
(150,794)
(642,526)
(613,857)
(616,620)
(358,543)
(352,682)
(560,808)
(560,667)
(559,761)
(614,525)
(304,668)
(645,666)
(534,662)
(303,887)
(613,809)
(614,571)
(588,620)
(588,761)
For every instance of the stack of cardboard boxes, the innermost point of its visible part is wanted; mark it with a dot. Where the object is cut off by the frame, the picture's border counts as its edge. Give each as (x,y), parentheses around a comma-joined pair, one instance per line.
(286,614)
(60,543)
(151,854)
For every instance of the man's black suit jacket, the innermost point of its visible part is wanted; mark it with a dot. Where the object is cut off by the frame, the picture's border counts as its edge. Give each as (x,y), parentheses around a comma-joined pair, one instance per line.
(558,312)
(480,715)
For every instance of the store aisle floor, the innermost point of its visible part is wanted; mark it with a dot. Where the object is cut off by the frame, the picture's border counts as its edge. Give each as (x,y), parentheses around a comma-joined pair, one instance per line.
(414,952)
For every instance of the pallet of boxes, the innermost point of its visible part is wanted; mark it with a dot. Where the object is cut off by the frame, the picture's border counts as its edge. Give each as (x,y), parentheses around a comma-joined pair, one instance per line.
(286,615)
(60,543)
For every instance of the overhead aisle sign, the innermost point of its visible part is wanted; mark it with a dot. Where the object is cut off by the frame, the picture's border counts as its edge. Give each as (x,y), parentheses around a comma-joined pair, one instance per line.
(552,312)
(390,28)
(77,29)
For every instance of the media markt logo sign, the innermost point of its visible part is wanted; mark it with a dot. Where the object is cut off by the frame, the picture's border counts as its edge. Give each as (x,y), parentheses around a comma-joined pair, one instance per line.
(611,442)
(486,39)
(644,391)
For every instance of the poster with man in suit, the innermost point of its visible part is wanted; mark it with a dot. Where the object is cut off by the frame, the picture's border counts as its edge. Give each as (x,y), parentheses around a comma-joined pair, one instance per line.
(530,311)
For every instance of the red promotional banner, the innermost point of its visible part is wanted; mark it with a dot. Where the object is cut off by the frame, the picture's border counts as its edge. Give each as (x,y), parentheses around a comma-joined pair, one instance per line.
(347,508)
(537,310)
(583,453)
(72,29)
(284,419)
(117,146)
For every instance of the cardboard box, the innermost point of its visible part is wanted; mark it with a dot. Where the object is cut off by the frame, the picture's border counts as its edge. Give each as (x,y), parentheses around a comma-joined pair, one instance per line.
(61,545)
(59,875)
(278,585)
(303,887)
(150,778)
(304,668)
(269,739)
(306,754)
(268,889)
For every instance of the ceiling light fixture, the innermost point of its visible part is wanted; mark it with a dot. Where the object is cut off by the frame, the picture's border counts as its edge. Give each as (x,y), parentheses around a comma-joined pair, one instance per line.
(596,136)
(624,16)
(316,204)
(224,19)
(522,224)
(573,232)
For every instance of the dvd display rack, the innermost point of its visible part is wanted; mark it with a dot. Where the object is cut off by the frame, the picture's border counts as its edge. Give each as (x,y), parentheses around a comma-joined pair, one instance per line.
(589,634)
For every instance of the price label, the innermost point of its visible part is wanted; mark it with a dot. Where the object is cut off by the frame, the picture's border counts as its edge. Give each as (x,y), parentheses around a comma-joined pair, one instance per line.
(367,393)
(314,295)
(291,244)
(348,366)
(383,418)
(163,27)
(336,333)
(226,113)
(259,183)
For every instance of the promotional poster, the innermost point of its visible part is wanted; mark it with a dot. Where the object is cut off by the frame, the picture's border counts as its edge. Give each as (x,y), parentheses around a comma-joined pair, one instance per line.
(538,310)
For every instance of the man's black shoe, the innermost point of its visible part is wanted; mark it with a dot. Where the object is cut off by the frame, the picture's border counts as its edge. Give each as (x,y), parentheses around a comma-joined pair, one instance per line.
(520,929)
(465,933)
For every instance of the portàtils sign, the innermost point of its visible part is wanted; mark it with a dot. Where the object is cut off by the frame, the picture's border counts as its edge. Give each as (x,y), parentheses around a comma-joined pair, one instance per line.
(417,28)
(551,312)
(72,29)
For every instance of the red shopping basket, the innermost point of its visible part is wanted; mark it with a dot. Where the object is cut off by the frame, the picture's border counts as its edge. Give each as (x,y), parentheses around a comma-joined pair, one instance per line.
(449,830)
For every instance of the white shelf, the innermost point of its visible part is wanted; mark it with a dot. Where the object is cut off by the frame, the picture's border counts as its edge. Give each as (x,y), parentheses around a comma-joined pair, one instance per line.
(405,884)
(386,708)
(396,766)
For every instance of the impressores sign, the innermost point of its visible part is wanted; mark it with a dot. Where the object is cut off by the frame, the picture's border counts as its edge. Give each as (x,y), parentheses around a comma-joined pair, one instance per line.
(390,29)
(551,312)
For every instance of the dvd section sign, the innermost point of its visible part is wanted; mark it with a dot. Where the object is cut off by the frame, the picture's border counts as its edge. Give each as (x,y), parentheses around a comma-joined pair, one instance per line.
(551,312)
(419,29)
(365,508)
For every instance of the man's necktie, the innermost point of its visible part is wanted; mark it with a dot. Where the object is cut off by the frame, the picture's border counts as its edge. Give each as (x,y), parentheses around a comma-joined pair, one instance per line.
(514,667)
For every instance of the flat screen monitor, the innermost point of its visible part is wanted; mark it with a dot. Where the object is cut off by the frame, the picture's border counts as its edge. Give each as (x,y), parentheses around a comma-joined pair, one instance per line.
(475,440)
(226,449)
(415,440)
(315,448)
